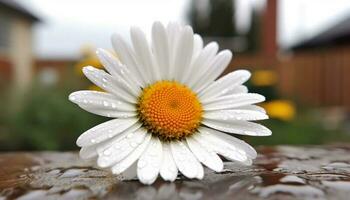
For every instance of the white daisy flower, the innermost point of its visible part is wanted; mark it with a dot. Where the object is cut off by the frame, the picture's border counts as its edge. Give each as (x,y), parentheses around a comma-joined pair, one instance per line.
(171,114)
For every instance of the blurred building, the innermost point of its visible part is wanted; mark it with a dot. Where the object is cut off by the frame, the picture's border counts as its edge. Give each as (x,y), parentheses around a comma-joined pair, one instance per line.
(16,50)
(317,70)
(314,72)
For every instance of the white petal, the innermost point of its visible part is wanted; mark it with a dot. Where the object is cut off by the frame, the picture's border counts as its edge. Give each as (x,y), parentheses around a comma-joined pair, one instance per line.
(238,127)
(207,157)
(105,81)
(184,159)
(103,100)
(143,54)
(232,101)
(109,112)
(221,147)
(183,52)
(173,30)
(127,57)
(235,90)
(240,144)
(150,161)
(88,152)
(200,171)
(132,157)
(118,148)
(217,66)
(222,85)
(201,64)
(168,169)
(117,69)
(105,131)
(234,115)
(197,45)
(253,108)
(161,48)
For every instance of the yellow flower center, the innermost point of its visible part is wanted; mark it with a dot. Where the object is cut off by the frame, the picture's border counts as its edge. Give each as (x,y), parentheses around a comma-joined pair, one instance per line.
(169,110)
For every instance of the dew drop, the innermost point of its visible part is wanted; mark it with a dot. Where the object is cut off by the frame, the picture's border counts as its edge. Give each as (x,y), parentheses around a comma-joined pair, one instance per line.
(90,68)
(93,141)
(105,103)
(107,152)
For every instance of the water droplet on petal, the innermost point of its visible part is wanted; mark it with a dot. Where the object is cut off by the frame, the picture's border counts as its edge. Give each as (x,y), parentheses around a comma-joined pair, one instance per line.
(133,144)
(107,152)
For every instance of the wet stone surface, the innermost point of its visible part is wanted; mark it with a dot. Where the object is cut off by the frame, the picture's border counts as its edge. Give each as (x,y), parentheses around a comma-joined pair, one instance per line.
(282,172)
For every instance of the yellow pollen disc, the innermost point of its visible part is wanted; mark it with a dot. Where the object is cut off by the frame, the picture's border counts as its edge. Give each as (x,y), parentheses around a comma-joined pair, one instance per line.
(169,110)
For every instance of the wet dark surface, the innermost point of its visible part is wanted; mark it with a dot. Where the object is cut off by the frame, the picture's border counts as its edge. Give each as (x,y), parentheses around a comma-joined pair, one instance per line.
(283,172)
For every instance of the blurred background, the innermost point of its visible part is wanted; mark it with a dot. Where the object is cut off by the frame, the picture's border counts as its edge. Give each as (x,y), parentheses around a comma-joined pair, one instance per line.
(298,52)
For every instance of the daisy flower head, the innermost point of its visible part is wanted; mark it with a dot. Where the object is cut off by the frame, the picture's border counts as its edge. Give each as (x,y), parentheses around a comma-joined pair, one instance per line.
(171,113)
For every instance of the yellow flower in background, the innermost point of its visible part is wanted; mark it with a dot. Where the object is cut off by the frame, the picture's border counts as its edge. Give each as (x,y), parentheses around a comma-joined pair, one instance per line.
(264,78)
(88,58)
(280,109)
(93,61)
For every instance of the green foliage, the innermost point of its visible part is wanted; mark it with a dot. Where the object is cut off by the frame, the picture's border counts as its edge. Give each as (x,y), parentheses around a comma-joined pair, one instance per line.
(44,120)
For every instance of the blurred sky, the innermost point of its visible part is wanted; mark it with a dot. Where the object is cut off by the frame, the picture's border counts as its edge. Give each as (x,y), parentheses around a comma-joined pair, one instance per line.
(68,25)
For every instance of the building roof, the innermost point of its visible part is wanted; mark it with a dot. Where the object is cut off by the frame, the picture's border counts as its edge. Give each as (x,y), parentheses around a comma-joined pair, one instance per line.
(18,8)
(335,35)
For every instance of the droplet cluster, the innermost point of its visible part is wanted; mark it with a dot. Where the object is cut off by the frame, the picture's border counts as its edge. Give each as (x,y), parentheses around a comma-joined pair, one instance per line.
(169,110)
